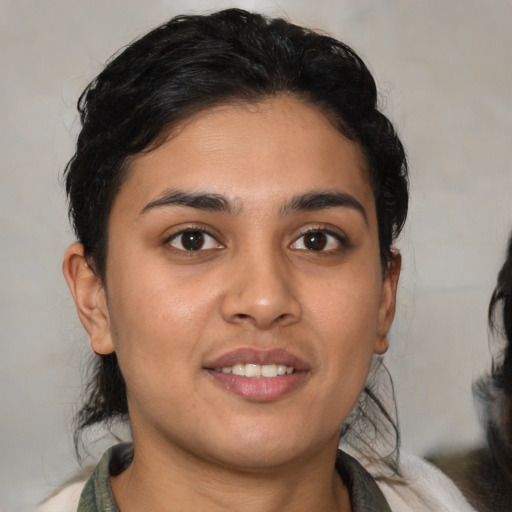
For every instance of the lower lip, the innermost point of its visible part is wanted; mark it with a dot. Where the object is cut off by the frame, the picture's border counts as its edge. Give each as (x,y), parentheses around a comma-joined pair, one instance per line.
(259,389)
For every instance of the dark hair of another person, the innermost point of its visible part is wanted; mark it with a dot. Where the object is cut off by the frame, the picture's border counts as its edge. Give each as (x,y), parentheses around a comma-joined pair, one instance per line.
(193,63)
(484,473)
(495,391)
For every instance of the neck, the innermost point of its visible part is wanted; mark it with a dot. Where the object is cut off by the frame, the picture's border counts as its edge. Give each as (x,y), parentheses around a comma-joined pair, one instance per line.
(172,480)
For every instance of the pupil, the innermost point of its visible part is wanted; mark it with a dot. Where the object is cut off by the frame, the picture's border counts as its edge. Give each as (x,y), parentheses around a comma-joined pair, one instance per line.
(315,241)
(192,240)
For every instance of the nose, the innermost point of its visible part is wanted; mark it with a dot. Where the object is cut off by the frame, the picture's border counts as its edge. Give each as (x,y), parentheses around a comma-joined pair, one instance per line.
(261,290)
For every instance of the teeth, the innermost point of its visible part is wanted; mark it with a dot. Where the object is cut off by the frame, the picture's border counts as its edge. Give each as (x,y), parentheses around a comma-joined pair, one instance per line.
(252,370)
(257,370)
(269,370)
(237,369)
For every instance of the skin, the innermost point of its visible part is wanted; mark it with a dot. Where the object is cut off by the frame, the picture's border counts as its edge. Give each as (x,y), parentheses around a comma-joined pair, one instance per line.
(255,283)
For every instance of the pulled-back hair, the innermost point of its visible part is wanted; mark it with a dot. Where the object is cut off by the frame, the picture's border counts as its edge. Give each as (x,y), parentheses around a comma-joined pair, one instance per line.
(193,63)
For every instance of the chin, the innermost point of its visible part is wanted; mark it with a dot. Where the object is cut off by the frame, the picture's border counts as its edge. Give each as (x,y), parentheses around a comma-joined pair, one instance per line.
(256,458)
(263,449)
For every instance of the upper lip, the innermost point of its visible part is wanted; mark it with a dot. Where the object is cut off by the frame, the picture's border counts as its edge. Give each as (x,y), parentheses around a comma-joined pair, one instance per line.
(255,356)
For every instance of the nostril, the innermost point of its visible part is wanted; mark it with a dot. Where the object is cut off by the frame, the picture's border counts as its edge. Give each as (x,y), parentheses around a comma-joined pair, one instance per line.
(242,316)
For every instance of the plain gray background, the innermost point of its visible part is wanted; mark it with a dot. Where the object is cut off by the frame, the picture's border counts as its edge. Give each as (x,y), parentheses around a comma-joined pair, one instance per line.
(445,73)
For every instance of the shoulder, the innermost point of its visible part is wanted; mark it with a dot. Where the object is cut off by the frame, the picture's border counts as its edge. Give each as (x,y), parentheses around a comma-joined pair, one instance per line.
(423,488)
(64,500)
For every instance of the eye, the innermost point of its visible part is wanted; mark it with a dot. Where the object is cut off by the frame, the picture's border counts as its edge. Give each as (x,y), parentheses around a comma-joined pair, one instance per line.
(318,240)
(193,240)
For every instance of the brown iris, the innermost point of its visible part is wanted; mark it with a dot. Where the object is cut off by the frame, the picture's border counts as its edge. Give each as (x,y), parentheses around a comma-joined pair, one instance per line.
(315,241)
(192,240)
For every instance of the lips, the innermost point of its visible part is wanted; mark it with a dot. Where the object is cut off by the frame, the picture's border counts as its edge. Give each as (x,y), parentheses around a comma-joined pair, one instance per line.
(258,376)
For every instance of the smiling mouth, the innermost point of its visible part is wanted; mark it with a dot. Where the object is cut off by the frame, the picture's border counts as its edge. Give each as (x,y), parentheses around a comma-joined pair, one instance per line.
(258,375)
(255,371)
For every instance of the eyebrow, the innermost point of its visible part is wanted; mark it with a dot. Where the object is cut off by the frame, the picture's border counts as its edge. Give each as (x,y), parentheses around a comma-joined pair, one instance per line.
(310,201)
(198,200)
(322,200)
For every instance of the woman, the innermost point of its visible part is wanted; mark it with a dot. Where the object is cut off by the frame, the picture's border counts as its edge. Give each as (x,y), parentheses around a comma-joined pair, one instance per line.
(235,194)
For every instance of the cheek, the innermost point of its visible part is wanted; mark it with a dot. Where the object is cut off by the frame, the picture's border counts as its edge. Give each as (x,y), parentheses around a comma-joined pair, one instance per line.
(158,321)
(348,310)
(346,328)
(347,317)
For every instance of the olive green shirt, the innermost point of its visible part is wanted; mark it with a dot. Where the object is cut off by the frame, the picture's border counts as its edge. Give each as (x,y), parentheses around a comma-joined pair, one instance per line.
(365,496)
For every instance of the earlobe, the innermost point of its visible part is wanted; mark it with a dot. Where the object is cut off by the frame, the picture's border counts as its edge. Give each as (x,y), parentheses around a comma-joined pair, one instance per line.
(90,300)
(388,302)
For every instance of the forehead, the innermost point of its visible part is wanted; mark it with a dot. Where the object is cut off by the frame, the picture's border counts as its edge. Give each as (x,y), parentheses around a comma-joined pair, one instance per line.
(265,151)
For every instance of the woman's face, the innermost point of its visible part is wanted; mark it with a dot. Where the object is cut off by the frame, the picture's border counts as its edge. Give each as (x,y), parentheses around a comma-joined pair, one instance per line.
(246,244)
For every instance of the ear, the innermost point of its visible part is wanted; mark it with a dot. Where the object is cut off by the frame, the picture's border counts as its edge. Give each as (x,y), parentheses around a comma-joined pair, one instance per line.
(388,302)
(90,299)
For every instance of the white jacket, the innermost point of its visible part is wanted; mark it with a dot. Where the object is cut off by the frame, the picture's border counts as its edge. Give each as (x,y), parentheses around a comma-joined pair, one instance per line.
(426,489)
